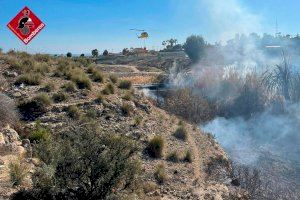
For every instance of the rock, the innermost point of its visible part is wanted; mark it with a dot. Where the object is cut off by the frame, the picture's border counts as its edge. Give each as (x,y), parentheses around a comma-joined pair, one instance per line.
(26,143)
(1,162)
(10,134)
(2,140)
(10,74)
(17,94)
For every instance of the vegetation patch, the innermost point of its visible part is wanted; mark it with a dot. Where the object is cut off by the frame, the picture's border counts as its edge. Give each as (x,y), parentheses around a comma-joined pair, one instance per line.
(29,79)
(181,133)
(125,84)
(160,174)
(156,146)
(59,97)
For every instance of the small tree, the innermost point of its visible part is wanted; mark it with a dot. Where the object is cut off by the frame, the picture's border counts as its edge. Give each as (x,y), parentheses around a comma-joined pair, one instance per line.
(194,47)
(82,55)
(125,51)
(69,54)
(105,52)
(95,53)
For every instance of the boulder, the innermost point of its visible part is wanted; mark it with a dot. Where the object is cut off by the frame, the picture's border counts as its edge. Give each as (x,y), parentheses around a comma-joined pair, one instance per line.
(10,135)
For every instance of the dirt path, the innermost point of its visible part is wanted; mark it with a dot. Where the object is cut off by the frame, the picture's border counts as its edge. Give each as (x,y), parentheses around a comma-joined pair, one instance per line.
(195,152)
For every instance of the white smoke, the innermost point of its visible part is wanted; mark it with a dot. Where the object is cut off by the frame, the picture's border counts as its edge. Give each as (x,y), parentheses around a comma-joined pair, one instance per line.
(247,141)
(230,17)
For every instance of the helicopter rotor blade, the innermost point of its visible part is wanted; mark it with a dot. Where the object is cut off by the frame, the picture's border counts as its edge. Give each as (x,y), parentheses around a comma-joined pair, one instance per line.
(133,29)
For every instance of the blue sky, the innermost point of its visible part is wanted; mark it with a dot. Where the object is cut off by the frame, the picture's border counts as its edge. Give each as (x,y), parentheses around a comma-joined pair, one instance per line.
(81,25)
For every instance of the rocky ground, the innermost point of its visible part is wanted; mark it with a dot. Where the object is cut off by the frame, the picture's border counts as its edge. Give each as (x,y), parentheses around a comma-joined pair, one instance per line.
(206,177)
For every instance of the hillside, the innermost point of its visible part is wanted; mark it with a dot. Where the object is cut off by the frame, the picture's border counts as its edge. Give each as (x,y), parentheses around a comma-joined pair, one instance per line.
(62,93)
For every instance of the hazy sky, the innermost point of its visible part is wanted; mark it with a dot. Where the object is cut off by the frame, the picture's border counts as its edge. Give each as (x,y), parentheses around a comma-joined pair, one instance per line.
(81,25)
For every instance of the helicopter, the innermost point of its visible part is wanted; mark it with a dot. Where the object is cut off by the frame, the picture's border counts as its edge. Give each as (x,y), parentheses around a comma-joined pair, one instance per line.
(144,34)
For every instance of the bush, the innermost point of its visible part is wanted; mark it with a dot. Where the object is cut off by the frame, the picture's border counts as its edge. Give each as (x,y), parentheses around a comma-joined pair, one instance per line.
(91,113)
(181,133)
(34,108)
(42,57)
(109,89)
(69,87)
(137,120)
(160,174)
(149,187)
(99,99)
(73,112)
(126,109)
(127,96)
(113,78)
(173,157)
(43,98)
(49,87)
(80,78)
(29,79)
(91,69)
(97,76)
(155,147)
(8,111)
(114,168)
(125,84)
(17,172)
(42,68)
(188,156)
(59,97)
(39,133)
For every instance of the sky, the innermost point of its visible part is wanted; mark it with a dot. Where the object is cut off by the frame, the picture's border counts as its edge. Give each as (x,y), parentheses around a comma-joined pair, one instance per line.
(78,26)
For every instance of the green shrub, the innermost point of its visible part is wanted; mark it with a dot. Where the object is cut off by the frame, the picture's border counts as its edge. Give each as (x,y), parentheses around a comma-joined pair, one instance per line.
(181,133)
(42,68)
(99,99)
(73,112)
(91,69)
(113,78)
(69,87)
(173,157)
(59,97)
(43,98)
(137,120)
(34,108)
(28,64)
(39,133)
(149,187)
(49,87)
(125,84)
(155,147)
(42,57)
(126,109)
(17,172)
(115,166)
(160,174)
(80,78)
(29,79)
(188,156)
(127,96)
(109,89)
(91,113)
(97,76)
(14,63)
